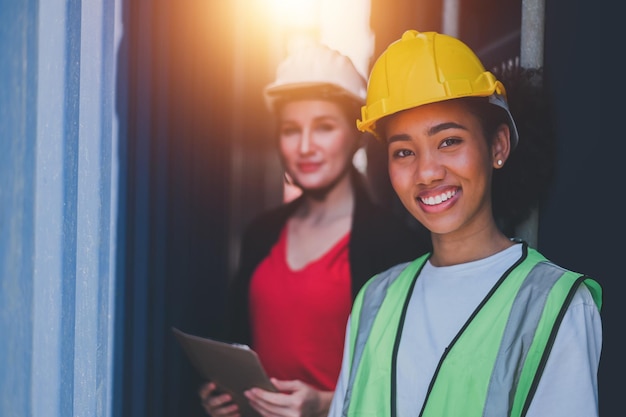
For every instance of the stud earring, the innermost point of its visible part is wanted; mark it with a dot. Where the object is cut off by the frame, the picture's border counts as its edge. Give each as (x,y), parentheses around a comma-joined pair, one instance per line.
(499,162)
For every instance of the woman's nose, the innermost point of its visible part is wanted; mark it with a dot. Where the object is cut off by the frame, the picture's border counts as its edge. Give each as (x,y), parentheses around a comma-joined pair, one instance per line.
(305,141)
(428,169)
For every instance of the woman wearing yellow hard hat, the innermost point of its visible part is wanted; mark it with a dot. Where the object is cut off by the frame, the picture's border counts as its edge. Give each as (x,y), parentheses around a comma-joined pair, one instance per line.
(302,263)
(483,325)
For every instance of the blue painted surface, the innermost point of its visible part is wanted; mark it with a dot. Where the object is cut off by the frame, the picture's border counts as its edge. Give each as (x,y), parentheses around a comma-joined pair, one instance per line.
(137,338)
(58,206)
(17,165)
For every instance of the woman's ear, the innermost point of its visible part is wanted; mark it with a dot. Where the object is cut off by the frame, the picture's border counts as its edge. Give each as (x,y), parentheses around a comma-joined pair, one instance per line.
(501,146)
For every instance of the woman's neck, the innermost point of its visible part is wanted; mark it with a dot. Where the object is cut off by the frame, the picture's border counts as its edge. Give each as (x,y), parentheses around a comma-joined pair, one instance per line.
(323,208)
(319,223)
(453,250)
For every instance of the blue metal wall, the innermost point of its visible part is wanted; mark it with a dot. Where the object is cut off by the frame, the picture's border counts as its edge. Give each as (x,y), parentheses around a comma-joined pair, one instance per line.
(178,120)
(59,173)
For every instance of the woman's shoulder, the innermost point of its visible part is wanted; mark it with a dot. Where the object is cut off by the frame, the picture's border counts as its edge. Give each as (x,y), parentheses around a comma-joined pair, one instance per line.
(271,218)
(589,292)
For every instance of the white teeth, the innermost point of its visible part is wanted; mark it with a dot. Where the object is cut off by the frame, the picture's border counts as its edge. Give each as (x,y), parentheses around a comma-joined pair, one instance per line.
(431,201)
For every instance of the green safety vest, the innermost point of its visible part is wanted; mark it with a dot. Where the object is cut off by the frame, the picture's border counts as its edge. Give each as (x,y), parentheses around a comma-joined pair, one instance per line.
(493,365)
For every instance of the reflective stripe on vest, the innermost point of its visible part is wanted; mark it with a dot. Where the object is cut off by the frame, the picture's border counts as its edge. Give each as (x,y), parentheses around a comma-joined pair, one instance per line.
(492,366)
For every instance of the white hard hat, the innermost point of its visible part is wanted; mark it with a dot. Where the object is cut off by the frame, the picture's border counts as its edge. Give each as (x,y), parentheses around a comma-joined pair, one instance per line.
(316,68)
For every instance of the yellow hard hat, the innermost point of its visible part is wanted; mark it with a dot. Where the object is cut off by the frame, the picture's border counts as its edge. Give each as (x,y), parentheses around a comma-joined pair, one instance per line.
(427,67)
(319,70)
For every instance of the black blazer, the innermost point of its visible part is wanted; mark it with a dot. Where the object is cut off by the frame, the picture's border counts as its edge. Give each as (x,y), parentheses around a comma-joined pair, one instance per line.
(378,240)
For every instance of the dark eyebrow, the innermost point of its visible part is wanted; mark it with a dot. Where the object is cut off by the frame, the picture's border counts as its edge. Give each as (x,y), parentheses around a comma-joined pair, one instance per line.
(398,138)
(443,126)
(432,131)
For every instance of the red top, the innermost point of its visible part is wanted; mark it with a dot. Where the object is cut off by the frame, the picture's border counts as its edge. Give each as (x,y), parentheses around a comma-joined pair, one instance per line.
(299,317)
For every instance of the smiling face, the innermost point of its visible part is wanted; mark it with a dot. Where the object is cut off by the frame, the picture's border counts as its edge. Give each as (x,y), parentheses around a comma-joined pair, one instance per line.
(440,165)
(316,142)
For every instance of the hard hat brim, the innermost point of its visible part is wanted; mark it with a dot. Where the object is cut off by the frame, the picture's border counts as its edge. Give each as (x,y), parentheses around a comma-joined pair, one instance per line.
(308,90)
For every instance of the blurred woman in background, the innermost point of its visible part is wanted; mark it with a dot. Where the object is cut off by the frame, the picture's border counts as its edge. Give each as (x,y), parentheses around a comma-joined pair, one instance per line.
(303,262)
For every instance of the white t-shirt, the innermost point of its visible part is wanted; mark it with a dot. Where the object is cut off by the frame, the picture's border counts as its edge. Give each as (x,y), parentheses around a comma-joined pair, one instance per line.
(443,299)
